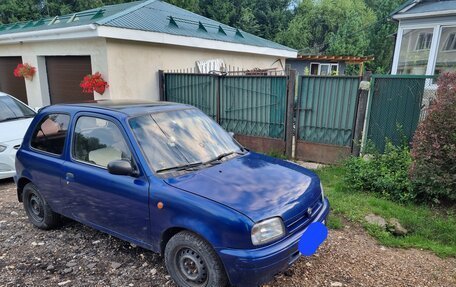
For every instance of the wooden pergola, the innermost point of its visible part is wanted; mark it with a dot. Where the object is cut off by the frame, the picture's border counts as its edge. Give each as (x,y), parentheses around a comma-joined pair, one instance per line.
(348,59)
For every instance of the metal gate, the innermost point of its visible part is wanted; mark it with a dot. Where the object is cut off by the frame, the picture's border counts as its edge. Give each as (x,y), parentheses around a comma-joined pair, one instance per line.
(325,118)
(252,107)
(394,108)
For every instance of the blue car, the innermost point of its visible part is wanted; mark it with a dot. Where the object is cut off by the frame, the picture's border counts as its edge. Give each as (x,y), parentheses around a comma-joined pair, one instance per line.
(166,177)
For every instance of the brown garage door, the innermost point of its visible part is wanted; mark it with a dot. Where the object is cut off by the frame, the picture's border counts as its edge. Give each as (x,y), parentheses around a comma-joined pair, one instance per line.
(64,76)
(8,82)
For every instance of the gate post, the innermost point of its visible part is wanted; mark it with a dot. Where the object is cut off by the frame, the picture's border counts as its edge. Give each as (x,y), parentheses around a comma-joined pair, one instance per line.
(364,87)
(161,85)
(291,84)
(217,98)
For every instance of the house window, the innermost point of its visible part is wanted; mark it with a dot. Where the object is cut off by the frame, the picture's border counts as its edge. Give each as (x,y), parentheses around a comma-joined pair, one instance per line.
(450,42)
(414,51)
(446,53)
(424,41)
(324,69)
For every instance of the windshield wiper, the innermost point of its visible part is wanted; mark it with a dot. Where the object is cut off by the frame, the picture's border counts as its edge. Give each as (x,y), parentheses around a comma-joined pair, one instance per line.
(180,167)
(223,155)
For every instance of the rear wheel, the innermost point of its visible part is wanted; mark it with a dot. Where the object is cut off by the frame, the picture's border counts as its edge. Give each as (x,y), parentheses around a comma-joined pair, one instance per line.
(192,262)
(38,211)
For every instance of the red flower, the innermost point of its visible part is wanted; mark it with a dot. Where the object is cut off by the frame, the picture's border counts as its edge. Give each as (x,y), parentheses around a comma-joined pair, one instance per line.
(92,83)
(24,70)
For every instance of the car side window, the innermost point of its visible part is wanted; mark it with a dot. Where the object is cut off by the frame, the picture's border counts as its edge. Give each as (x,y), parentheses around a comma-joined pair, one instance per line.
(98,141)
(50,134)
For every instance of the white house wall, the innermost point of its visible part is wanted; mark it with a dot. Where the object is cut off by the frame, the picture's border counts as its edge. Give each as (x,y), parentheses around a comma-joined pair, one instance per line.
(34,54)
(133,66)
(130,67)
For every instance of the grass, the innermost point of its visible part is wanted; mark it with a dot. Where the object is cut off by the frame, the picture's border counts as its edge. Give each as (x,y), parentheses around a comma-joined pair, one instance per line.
(429,228)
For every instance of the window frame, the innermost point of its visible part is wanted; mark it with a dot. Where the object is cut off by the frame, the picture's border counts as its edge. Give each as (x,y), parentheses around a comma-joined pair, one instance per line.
(453,42)
(437,27)
(65,144)
(319,68)
(426,35)
(113,120)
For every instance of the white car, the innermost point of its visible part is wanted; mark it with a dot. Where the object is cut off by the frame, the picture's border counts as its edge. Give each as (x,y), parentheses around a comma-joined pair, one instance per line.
(15,118)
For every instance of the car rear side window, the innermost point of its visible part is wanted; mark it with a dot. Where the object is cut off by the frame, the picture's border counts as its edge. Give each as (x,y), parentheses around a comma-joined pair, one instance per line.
(98,141)
(50,134)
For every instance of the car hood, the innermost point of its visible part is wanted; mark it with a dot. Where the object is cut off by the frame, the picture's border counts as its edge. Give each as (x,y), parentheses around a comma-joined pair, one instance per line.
(258,186)
(14,130)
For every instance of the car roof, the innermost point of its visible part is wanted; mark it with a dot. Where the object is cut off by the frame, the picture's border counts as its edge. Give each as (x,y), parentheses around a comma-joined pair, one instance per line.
(126,107)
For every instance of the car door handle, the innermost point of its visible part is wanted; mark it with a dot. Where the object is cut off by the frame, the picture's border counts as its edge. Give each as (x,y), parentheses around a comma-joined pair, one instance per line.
(69,177)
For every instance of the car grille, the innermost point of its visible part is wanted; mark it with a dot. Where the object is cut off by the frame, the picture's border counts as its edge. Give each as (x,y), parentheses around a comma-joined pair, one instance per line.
(303,218)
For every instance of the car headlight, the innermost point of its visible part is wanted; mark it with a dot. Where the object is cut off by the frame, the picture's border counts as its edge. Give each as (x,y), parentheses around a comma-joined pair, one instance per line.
(267,230)
(322,192)
(2,148)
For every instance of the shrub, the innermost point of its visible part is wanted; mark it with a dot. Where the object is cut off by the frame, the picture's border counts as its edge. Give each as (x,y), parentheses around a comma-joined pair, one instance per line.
(433,171)
(382,173)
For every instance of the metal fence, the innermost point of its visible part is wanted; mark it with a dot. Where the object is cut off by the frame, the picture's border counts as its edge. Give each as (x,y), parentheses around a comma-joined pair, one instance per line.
(259,109)
(194,89)
(251,106)
(326,112)
(396,104)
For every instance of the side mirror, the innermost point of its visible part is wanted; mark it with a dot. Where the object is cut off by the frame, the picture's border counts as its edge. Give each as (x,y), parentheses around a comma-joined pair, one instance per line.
(231,134)
(121,167)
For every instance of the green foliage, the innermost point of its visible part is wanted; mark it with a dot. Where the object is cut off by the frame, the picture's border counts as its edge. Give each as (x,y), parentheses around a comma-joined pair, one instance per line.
(190,5)
(429,228)
(24,10)
(264,18)
(434,146)
(277,154)
(332,27)
(381,35)
(382,173)
(334,222)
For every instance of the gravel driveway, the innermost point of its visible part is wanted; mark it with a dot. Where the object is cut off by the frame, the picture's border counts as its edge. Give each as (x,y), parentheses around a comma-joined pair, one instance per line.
(79,256)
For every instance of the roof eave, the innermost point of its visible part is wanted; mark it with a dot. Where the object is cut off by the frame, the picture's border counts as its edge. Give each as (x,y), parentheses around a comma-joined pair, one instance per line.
(77,32)
(407,5)
(424,15)
(193,42)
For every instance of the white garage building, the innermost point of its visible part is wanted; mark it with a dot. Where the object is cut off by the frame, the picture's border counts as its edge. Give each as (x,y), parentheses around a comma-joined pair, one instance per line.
(128,44)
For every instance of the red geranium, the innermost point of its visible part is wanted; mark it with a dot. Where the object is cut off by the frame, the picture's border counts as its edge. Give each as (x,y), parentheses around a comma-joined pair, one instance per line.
(94,82)
(25,70)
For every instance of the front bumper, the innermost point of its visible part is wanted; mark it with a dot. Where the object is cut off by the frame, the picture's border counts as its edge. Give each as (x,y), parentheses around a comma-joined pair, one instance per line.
(256,266)
(7,159)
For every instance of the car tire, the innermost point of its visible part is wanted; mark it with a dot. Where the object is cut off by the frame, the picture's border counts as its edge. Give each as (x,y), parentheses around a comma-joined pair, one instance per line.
(38,211)
(192,262)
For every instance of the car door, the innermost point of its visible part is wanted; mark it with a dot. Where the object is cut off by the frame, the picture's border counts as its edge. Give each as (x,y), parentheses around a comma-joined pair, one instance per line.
(116,203)
(44,155)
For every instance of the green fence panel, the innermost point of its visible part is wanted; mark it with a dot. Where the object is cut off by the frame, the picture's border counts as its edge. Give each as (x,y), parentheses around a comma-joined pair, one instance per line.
(327,109)
(395,105)
(254,105)
(192,89)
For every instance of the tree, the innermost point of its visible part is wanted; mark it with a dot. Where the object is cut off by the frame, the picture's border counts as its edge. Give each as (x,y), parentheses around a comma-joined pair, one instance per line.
(381,36)
(18,10)
(264,18)
(190,5)
(331,27)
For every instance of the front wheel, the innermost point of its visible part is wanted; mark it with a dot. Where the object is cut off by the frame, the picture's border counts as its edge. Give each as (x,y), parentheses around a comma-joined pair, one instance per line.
(37,209)
(192,262)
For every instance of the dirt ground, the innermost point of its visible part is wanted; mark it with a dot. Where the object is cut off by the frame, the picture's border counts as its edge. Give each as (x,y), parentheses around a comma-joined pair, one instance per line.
(76,255)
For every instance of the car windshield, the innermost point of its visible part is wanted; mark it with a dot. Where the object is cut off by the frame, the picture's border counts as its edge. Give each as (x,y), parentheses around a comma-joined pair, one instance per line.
(180,139)
(11,109)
